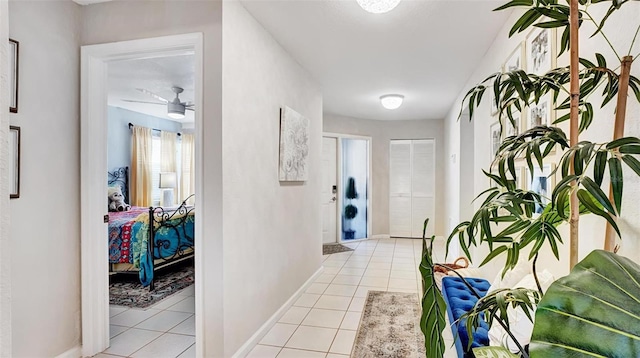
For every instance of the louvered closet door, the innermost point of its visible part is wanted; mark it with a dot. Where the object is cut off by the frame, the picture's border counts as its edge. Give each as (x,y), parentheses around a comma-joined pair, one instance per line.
(423,186)
(400,188)
(411,186)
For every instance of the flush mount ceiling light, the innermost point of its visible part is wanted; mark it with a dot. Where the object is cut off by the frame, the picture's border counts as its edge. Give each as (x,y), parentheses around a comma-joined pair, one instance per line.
(391,101)
(378,6)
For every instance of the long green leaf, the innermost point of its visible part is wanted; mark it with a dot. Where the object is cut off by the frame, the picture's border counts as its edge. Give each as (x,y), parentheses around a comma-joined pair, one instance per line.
(632,163)
(599,166)
(615,171)
(587,200)
(597,193)
(592,312)
(432,322)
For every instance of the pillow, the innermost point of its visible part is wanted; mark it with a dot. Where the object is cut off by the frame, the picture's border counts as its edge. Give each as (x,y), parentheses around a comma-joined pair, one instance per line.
(519,323)
(467,272)
(512,277)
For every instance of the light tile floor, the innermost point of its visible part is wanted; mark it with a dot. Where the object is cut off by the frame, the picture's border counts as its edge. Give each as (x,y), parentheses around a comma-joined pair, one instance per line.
(166,329)
(323,322)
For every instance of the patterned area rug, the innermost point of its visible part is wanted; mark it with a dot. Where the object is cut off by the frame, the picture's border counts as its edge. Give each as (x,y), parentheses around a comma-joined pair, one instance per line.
(328,249)
(390,327)
(130,293)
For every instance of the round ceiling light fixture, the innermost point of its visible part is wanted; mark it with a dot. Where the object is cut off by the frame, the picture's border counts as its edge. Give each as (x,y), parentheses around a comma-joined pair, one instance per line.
(378,6)
(391,101)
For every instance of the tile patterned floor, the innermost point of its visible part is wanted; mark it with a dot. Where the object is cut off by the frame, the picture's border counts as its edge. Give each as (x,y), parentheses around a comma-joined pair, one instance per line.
(323,322)
(166,329)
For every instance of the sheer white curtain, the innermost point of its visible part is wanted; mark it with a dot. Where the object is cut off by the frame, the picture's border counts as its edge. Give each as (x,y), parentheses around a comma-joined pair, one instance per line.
(187,175)
(168,156)
(140,186)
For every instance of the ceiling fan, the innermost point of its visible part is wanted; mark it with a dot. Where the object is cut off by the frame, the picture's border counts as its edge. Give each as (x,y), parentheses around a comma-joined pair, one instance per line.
(175,108)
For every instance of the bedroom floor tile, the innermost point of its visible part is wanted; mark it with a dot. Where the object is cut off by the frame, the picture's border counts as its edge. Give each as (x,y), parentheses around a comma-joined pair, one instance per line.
(186,305)
(187,327)
(168,345)
(132,317)
(116,330)
(130,341)
(164,321)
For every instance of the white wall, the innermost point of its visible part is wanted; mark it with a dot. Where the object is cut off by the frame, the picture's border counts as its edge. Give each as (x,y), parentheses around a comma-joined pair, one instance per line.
(381,132)
(5,248)
(45,227)
(620,32)
(272,231)
(128,20)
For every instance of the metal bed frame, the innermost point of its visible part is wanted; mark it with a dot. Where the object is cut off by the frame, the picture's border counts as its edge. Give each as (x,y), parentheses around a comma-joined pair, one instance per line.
(159,218)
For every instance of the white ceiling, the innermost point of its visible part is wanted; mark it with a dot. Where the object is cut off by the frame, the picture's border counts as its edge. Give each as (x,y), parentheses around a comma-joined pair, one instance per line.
(425,50)
(157,75)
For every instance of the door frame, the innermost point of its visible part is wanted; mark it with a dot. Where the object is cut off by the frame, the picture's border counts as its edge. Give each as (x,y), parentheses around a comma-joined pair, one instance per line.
(339,136)
(93,167)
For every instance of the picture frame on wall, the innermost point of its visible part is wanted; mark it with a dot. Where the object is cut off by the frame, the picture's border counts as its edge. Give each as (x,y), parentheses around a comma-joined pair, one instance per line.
(14,162)
(540,50)
(294,146)
(515,61)
(511,129)
(541,113)
(14,53)
(542,182)
(495,139)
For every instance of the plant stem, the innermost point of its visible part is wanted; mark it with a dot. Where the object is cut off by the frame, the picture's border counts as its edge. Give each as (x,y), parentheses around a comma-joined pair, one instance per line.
(602,33)
(535,276)
(634,40)
(573,132)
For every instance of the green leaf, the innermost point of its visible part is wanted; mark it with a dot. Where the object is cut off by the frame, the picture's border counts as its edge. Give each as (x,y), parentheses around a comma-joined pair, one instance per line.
(622,141)
(597,194)
(615,171)
(597,307)
(599,166)
(632,163)
(587,200)
(630,149)
(495,252)
(432,322)
(493,352)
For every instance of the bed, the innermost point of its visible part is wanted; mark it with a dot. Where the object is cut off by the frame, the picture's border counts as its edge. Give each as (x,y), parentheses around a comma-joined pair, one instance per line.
(145,239)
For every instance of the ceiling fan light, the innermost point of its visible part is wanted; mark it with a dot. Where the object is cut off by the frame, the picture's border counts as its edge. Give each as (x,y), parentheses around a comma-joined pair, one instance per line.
(378,6)
(391,101)
(175,110)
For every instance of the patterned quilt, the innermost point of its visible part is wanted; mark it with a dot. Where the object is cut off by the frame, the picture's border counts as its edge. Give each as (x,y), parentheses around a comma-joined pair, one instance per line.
(121,225)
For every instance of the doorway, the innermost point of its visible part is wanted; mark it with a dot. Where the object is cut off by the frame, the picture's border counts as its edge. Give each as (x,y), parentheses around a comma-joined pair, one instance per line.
(346,188)
(94,253)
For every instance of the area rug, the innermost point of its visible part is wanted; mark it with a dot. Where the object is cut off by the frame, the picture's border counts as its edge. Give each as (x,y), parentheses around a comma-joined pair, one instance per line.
(328,249)
(390,327)
(131,293)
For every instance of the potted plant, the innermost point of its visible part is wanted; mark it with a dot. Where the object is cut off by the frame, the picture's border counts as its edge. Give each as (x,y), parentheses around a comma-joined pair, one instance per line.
(350,211)
(506,220)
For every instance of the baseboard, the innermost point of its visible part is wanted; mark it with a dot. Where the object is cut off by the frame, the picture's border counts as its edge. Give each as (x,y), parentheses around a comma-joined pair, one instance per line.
(381,236)
(264,329)
(74,352)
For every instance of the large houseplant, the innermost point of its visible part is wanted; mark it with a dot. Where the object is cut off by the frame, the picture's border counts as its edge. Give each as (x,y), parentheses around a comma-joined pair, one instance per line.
(506,221)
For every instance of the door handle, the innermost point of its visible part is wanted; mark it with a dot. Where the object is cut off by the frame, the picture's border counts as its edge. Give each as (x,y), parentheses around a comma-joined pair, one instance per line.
(105,219)
(333,199)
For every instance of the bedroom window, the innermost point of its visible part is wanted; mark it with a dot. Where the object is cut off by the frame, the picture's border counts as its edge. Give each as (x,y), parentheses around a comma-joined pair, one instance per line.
(156,150)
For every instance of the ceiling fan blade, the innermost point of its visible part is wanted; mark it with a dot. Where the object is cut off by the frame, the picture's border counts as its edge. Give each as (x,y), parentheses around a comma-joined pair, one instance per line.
(133,101)
(190,109)
(159,98)
(188,104)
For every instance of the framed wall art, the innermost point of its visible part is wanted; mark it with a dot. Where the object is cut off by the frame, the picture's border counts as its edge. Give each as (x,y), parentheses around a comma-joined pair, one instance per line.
(14,49)
(541,113)
(541,182)
(14,162)
(515,61)
(540,50)
(294,146)
(512,129)
(495,138)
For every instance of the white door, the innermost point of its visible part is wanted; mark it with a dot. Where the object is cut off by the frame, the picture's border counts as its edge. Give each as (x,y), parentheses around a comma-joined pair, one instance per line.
(411,187)
(329,190)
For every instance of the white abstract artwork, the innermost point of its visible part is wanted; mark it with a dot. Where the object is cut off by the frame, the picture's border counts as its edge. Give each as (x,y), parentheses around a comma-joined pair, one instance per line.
(540,113)
(294,146)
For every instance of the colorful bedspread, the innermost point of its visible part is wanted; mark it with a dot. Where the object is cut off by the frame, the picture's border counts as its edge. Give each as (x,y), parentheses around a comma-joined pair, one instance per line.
(129,237)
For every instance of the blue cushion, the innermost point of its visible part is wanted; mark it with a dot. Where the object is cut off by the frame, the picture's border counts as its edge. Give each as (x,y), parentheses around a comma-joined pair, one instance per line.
(459,301)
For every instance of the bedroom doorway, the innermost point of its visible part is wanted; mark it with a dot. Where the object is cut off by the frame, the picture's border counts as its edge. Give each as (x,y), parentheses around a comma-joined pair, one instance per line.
(129,91)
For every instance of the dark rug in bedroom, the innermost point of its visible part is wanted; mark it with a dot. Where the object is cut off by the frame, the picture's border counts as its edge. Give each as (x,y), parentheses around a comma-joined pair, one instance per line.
(328,249)
(130,293)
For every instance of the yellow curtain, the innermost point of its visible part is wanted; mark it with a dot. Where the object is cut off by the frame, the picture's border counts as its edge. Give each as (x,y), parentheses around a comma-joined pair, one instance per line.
(187,175)
(140,185)
(168,156)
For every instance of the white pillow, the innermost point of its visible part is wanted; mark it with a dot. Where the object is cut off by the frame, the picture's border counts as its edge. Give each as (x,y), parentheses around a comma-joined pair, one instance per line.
(466,272)
(519,323)
(512,277)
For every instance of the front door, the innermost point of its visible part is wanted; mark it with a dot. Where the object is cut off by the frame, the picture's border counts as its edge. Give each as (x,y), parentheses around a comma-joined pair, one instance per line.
(329,189)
